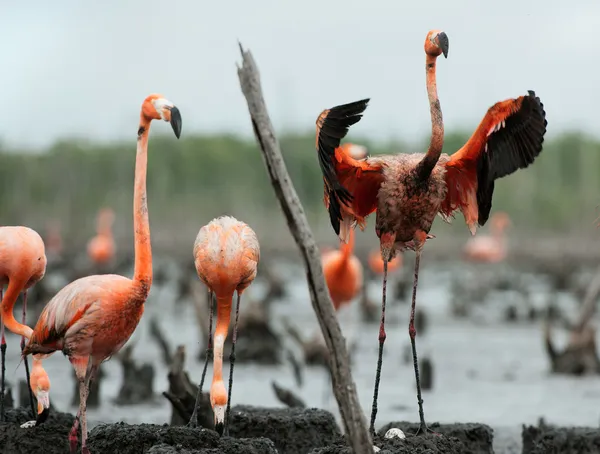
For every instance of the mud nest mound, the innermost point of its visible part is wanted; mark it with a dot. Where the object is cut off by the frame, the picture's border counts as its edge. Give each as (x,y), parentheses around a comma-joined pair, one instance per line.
(476,438)
(546,439)
(149,438)
(292,430)
(49,438)
(454,439)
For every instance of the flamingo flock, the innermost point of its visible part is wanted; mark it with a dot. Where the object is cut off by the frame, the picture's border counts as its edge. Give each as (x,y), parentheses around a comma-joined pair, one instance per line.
(90,319)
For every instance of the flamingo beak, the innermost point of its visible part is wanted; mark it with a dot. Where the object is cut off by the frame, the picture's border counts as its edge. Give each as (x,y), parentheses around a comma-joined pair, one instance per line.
(219,412)
(44,402)
(444,43)
(176,121)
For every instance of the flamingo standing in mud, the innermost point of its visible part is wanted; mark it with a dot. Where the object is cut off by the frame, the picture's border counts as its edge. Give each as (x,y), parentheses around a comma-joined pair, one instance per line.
(408,190)
(91,318)
(343,273)
(101,248)
(226,255)
(22,265)
(489,248)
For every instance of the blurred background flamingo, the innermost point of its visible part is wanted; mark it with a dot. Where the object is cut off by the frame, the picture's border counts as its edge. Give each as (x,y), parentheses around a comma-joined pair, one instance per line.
(489,248)
(101,248)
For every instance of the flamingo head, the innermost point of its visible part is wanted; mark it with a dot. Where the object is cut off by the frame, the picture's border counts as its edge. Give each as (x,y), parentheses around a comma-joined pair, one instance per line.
(42,393)
(437,43)
(218,401)
(156,107)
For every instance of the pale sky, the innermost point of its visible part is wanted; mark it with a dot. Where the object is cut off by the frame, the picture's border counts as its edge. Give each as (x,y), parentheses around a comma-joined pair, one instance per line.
(78,68)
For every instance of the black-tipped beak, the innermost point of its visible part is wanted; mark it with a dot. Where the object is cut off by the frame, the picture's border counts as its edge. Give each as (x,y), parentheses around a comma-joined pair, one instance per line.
(219,427)
(41,417)
(176,121)
(444,43)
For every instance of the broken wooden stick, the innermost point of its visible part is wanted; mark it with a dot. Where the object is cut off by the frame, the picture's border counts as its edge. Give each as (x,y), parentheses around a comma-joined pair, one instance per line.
(344,387)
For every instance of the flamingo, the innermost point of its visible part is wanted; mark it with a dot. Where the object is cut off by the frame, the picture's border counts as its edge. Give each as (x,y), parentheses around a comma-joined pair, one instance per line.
(408,190)
(490,248)
(226,255)
(343,273)
(376,262)
(22,265)
(91,318)
(101,248)
(53,240)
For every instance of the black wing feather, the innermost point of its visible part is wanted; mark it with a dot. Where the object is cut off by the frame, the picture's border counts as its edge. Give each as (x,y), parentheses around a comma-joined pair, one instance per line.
(330,130)
(512,147)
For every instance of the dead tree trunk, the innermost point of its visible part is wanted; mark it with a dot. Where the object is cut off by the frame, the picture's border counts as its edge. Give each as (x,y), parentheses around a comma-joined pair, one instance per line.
(344,387)
(580,355)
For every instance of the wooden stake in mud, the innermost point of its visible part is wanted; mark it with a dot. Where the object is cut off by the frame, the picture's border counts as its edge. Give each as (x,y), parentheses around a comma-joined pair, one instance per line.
(355,424)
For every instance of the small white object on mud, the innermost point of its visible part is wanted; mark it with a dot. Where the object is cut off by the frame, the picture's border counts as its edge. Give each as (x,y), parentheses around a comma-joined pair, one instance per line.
(28,424)
(376,449)
(394,432)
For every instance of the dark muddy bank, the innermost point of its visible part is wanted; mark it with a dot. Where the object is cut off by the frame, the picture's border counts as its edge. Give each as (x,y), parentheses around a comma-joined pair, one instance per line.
(548,439)
(253,431)
(284,431)
(452,439)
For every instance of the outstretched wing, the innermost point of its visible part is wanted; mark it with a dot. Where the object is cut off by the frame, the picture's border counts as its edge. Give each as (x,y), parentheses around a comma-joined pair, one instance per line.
(509,138)
(351,185)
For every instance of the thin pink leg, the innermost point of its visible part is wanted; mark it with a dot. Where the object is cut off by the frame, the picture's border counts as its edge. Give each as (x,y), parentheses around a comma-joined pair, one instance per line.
(73,433)
(25,360)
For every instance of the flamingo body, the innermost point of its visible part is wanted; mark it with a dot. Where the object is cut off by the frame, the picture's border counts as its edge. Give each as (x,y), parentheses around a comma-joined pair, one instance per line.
(226,255)
(343,273)
(22,256)
(93,316)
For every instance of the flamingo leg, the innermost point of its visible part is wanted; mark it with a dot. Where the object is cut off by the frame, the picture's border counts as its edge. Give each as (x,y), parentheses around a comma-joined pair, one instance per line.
(3,354)
(209,353)
(382,337)
(232,363)
(83,396)
(25,360)
(413,334)
(73,432)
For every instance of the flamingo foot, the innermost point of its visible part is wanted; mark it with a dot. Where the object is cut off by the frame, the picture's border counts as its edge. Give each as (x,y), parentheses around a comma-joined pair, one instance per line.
(28,424)
(73,443)
(423,430)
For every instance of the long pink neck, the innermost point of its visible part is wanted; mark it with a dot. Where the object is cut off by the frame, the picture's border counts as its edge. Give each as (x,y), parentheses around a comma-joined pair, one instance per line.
(142,274)
(437,122)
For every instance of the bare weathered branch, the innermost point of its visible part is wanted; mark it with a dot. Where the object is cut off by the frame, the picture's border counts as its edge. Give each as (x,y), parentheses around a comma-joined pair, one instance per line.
(589,302)
(343,385)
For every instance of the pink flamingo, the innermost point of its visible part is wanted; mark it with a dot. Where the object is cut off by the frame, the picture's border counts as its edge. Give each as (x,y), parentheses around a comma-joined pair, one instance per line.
(408,190)
(91,318)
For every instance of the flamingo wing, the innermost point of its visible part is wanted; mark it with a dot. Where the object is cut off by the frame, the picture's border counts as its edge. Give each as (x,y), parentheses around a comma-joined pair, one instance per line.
(67,314)
(350,185)
(509,138)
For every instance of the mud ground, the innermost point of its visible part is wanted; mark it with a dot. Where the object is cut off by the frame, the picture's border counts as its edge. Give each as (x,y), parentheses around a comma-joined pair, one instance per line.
(285,431)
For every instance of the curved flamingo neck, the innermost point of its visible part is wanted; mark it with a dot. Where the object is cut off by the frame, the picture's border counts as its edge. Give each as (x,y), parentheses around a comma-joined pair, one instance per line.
(224,303)
(8,302)
(437,122)
(142,274)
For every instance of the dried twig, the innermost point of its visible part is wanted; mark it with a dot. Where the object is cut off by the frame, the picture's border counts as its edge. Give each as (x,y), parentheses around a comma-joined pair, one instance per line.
(343,385)
(589,302)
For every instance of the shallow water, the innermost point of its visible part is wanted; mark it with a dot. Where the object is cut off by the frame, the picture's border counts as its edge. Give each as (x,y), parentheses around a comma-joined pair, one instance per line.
(484,369)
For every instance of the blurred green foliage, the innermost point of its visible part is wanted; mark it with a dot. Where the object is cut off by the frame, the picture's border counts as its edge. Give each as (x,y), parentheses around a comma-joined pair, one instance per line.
(199,177)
